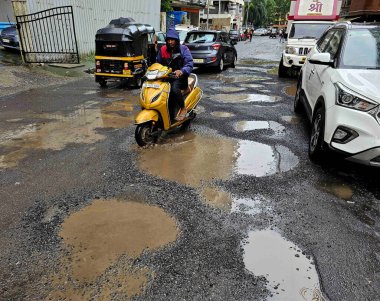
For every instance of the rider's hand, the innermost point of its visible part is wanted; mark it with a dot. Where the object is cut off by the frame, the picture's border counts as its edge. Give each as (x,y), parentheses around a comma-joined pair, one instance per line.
(178,73)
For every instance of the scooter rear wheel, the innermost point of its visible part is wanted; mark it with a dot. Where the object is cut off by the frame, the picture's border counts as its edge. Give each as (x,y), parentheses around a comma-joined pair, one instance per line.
(146,134)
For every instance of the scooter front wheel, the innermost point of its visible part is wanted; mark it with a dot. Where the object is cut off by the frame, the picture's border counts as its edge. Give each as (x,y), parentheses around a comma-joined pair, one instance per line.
(146,134)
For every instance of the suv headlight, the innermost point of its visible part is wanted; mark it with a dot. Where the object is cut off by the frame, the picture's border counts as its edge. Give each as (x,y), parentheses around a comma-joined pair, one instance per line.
(290,50)
(350,99)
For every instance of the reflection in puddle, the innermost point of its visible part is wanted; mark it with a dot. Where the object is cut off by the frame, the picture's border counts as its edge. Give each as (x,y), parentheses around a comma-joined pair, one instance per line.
(340,190)
(290,274)
(251,86)
(291,90)
(99,235)
(222,114)
(58,130)
(244,126)
(205,158)
(233,98)
(241,78)
(291,119)
(228,89)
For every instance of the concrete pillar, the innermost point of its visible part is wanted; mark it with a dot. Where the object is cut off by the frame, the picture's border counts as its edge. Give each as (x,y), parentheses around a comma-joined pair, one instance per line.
(20,8)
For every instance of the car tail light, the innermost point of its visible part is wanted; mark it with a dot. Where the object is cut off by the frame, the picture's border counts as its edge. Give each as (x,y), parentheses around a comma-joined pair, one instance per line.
(216,46)
(97,63)
(213,59)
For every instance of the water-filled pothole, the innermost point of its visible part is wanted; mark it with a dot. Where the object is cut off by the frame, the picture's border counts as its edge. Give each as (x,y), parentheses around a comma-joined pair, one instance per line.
(339,190)
(103,240)
(236,98)
(222,114)
(244,126)
(200,159)
(290,274)
(290,90)
(292,119)
(225,89)
(252,86)
(57,130)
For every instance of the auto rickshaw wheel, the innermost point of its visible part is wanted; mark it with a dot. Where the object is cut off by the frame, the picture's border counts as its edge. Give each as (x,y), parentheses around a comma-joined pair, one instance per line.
(146,134)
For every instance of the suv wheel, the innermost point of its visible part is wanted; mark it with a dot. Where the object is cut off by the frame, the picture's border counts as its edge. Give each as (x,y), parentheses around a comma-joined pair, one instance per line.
(282,70)
(316,150)
(297,105)
(221,65)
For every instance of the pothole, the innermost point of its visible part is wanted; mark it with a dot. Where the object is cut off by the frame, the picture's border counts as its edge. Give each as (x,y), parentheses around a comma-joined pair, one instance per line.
(59,130)
(228,89)
(252,86)
(339,190)
(290,90)
(292,119)
(222,114)
(201,159)
(290,273)
(105,233)
(244,126)
(238,98)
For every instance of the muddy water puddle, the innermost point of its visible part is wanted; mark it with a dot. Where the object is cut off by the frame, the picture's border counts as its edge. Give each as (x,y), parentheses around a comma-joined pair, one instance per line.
(246,68)
(206,158)
(245,126)
(292,119)
(241,98)
(225,89)
(104,233)
(221,199)
(222,114)
(290,90)
(340,190)
(252,86)
(241,78)
(56,130)
(290,274)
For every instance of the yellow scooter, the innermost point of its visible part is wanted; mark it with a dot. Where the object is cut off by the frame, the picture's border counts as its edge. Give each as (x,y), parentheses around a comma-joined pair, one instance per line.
(158,113)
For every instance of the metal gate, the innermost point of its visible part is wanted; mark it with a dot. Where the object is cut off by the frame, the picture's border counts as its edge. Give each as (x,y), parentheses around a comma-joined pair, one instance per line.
(48,36)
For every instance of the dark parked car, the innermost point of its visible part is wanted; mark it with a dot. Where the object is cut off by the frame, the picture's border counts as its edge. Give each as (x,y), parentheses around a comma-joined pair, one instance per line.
(211,48)
(9,38)
(234,35)
(160,38)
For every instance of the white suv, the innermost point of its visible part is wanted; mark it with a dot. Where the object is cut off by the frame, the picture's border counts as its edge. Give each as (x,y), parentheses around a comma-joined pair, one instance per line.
(339,88)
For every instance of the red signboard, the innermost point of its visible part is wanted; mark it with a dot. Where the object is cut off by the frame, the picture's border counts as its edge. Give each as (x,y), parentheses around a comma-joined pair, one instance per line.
(316,10)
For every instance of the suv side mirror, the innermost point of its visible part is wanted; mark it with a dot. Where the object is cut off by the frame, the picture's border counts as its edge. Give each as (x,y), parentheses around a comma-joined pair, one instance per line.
(323,58)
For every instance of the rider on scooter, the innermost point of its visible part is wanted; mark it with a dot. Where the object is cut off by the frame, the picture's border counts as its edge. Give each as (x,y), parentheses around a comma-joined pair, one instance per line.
(182,67)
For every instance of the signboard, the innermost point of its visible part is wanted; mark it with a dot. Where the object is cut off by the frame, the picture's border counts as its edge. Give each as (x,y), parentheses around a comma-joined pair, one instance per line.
(316,10)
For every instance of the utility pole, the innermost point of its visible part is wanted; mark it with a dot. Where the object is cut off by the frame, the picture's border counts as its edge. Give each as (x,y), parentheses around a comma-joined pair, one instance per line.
(208,11)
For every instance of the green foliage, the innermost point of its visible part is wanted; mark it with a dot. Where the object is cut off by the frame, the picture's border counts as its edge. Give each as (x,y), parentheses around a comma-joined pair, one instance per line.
(265,12)
(166,6)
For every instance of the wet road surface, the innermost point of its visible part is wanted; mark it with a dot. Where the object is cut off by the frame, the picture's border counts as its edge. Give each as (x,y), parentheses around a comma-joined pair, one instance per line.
(231,209)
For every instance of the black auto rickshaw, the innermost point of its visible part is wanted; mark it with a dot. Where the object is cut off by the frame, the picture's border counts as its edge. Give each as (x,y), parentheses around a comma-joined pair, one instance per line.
(124,50)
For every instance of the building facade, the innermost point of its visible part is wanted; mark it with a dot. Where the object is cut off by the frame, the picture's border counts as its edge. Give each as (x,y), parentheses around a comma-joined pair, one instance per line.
(359,10)
(90,15)
(223,14)
(191,10)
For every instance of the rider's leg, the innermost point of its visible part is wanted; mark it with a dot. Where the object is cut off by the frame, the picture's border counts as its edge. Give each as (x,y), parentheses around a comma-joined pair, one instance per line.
(175,93)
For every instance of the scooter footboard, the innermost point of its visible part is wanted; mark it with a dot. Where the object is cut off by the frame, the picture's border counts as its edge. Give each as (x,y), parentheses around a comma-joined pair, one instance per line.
(193,98)
(146,115)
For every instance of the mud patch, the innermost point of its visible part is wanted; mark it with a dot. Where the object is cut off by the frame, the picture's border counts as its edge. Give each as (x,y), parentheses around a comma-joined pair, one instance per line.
(290,274)
(290,90)
(241,98)
(59,130)
(292,119)
(339,190)
(217,198)
(222,114)
(244,126)
(106,232)
(206,158)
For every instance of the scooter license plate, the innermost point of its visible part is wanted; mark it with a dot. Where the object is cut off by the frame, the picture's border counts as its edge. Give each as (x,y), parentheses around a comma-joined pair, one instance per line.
(155,86)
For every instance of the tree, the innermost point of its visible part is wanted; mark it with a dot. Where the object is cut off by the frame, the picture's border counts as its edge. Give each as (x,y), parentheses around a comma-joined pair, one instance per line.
(166,6)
